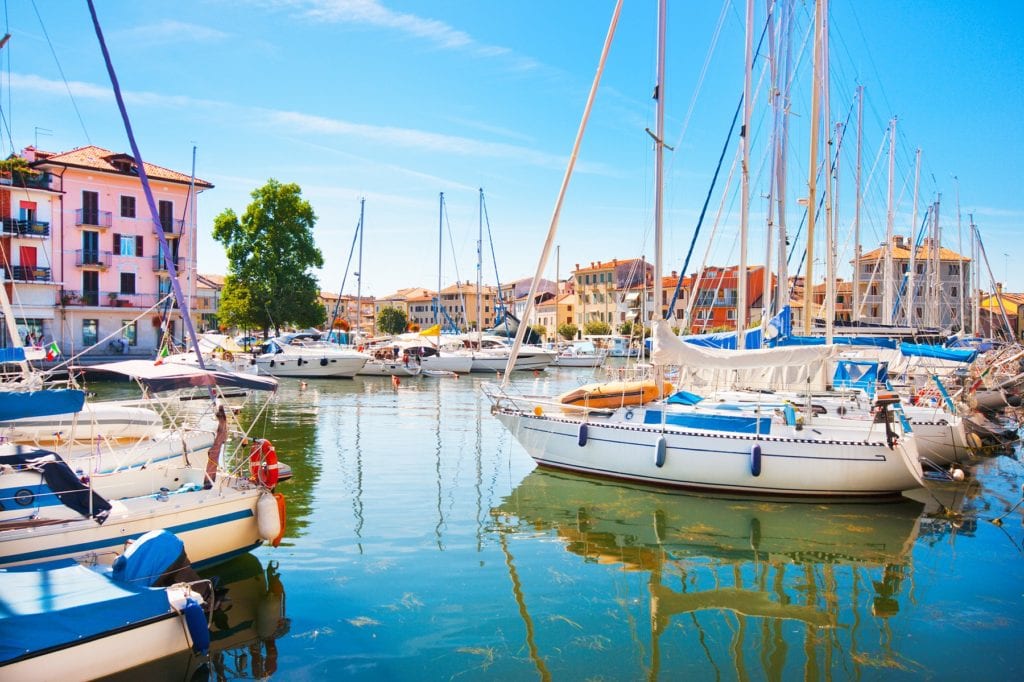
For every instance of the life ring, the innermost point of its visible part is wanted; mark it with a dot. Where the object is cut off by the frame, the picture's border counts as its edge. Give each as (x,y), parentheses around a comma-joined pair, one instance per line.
(228,356)
(263,467)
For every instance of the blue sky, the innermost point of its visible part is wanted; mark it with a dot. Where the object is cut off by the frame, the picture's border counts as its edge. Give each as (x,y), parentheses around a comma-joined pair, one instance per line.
(398,101)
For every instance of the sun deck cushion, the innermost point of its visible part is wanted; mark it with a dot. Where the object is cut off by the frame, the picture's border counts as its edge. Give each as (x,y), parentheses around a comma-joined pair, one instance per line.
(57,604)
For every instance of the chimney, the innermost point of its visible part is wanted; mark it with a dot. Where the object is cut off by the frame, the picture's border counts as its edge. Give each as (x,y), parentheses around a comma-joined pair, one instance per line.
(577,266)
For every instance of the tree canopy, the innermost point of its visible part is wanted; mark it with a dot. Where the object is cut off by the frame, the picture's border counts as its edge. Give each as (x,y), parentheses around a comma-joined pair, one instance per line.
(391,321)
(568,331)
(597,328)
(269,251)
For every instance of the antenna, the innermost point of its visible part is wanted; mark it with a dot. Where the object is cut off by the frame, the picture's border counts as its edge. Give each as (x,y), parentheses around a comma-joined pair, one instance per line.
(44,131)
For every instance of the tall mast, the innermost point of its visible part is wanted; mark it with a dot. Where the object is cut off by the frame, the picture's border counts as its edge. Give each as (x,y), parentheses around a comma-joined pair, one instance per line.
(741,271)
(785,23)
(659,152)
(960,252)
(812,171)
(975,278)
(912,270)
(440,240)
(935,268)
(830,148)
(855,313)
(887,270)
(480,271)
(359,275)
(766,284)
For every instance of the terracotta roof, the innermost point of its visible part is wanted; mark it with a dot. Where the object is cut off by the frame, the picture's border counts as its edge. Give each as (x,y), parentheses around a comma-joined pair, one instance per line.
(210,281)
(608,265)
(902,252)
(467,288)
(1010,301)
(106,161)
(409,294)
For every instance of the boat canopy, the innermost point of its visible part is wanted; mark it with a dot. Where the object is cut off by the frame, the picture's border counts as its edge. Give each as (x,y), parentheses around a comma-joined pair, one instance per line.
(785,368)
(61,603)
(22,404)
(12,354)
(172,376)
(924,350)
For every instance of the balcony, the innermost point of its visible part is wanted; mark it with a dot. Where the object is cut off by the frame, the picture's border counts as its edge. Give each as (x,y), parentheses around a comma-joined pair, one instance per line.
(26,228)
(29,180)
(160,264)
(107,299)
(89,218)
(20,273)
(91,259)
(173,228)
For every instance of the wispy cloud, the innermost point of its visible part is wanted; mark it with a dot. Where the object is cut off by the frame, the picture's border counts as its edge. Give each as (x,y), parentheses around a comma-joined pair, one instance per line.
(373,13)
(170,32)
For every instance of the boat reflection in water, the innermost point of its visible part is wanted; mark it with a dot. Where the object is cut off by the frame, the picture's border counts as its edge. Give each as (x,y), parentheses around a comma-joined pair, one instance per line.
(777,588)
(244,628)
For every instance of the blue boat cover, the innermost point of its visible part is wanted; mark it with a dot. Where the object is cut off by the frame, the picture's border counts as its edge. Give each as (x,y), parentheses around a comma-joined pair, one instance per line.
(863,375)
(61,603)
(925,350)
(874,341)
(22,404)
(147,559)
(12,355)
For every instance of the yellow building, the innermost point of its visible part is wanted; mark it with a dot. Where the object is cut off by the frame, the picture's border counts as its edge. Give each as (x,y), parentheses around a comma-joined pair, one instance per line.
(601,289)
(459,303)
(416,302)
(553,313)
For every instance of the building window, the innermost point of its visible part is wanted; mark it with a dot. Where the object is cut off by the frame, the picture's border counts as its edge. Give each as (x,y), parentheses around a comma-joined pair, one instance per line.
(130,332)
(952,292)
(730,314)
(166,211)
(127,282)
(953,269)
(127,207)
(90,332)
(874,311)
(124,244)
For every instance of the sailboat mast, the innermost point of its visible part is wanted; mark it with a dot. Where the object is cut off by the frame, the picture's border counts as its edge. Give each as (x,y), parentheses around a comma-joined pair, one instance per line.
(812,171)
(479,271)
(935,267)
(659,151)
(855,313)
(960,251)
(887,269)
(440,240)
(830,148)
(741,271)
(913,243)
(785,22)
(359,274)
(975,278)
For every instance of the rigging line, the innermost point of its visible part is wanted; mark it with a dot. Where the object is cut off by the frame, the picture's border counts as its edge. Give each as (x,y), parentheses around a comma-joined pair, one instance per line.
(494,259)
(344,277)
(703,72)
(67,87)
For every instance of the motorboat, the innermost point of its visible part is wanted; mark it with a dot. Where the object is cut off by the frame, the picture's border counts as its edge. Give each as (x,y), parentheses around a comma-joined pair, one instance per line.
(289,356)
(580,354)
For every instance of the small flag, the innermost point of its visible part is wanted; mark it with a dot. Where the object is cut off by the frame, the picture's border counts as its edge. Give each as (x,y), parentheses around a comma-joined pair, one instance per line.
(52,352)
(161,355)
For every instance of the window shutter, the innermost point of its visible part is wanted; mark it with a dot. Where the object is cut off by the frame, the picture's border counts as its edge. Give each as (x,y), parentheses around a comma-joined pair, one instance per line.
(117,244)
(138,246)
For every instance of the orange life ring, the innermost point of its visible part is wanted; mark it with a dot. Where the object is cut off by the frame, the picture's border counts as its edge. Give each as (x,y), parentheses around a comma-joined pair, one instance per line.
(263,467)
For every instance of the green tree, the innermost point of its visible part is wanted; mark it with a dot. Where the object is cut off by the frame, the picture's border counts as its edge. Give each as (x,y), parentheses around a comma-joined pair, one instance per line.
(540,330)
(568,331)
(391,321)
(270,250)
(597,328)
(626,328)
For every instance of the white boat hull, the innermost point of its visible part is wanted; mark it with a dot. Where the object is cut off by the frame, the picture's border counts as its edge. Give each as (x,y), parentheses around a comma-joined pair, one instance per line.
(96,420)
(496,362)
(460,364)
(310,368)
(791,463)
(214,524)
(389,368)
(578,361)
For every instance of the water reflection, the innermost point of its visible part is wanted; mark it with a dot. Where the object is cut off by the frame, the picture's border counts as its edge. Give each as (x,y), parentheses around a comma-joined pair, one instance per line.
(737,584)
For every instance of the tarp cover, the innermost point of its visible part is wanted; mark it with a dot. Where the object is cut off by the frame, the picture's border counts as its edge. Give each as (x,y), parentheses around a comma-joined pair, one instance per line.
(787,368)
(924,350)
(58,603)
(148,558)
(22,404)
(170,376)
(12,354)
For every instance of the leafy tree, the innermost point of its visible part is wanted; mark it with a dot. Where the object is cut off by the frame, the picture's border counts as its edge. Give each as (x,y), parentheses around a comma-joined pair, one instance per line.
(568,331)
(626,328)
(269,250)
(391,320)
(597,328)
(540,330)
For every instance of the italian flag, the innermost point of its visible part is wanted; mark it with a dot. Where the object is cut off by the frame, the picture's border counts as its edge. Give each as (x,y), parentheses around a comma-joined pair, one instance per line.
(52,351)
(161,355)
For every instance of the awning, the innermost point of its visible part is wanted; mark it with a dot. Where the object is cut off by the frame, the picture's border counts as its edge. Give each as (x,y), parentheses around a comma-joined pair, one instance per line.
(171,376)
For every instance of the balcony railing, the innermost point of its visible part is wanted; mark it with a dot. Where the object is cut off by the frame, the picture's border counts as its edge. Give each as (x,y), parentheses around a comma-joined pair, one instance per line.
(160,263)
(174,228)
(26,228)
(36,180)
(90,218)
(107,299)
(92,258)
(22,273)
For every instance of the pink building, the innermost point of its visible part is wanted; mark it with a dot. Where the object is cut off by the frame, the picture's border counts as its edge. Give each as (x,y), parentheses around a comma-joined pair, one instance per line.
(109,271)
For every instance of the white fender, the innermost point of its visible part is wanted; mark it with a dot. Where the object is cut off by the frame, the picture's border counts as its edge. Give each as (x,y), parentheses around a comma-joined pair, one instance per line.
(268,521)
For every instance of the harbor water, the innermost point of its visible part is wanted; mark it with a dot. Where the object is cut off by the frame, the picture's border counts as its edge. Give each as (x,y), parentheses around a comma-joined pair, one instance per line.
(423,543)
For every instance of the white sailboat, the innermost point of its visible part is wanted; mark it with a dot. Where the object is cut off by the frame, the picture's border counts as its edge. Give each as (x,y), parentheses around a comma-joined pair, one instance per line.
(656,443)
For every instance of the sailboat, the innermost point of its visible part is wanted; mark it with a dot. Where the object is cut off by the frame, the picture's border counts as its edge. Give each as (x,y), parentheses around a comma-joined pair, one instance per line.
(664,443)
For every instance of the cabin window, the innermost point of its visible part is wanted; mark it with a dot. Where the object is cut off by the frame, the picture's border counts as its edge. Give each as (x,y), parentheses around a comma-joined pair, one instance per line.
(127,207)
(90,332)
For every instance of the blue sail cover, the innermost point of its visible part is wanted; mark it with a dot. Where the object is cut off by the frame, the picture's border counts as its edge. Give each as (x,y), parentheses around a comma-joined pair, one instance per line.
(22,404)
(925,350)
(875,341)
(863,375)
(12,355)
(61,603)
(779,327)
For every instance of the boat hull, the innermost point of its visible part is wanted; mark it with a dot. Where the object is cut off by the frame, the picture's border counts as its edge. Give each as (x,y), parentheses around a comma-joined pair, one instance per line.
(705,460)
(310,368)
(483,362)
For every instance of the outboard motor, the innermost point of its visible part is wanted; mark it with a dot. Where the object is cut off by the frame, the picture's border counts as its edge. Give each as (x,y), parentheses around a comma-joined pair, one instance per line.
(884,401)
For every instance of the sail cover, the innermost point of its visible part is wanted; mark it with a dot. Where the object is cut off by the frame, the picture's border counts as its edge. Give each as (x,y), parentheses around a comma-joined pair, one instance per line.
(170,376)
(786,368)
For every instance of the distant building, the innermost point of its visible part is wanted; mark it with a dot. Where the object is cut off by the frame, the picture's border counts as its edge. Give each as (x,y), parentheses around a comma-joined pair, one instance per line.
(206,304)
(359,313)
(459,305)
(601,289)
(714,293)
(416,302)
(990,314)
(554,312)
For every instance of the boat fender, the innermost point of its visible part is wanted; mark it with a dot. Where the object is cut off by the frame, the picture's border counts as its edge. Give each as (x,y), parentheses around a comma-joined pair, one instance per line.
(268,519)
(628,415)
(198,629)
(537,409)
(755,460)
(659,452)
(582,439)
(323,362)
(282,515)
(263,468)
(974,441)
